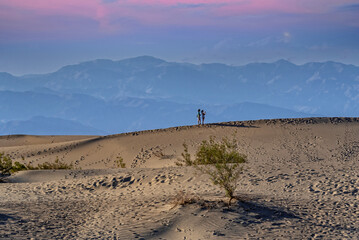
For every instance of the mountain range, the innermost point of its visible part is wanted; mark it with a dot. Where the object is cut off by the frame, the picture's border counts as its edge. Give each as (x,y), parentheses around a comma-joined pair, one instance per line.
(105,96)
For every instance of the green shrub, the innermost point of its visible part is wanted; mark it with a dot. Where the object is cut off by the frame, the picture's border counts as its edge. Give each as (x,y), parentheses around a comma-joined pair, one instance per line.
(220,160)
(56,165)
(29,166)
(5,164)
(119,162)
(18,167)
(186,157)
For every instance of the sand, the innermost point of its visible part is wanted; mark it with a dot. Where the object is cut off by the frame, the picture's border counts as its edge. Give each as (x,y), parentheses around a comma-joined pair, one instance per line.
(300,182)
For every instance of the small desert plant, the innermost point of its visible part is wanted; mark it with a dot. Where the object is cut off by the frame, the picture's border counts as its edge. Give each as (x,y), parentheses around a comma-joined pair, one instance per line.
(220,160)
(18,167)
(119,162)
(29,166)
(56,165)
(187,161)
(7,166)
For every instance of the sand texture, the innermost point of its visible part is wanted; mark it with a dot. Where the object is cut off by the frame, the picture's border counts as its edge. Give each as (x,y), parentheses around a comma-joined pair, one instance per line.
(301,182)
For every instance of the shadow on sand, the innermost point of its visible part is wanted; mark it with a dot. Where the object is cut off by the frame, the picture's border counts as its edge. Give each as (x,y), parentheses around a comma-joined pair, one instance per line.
(4,218)
(255,213)
(249,213)
(232,124)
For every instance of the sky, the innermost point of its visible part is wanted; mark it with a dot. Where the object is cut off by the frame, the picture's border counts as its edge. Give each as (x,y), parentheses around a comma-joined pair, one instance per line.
(41,36)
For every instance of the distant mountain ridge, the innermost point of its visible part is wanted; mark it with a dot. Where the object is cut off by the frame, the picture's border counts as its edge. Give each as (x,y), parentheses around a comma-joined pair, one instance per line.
(47,126)
(120,115)
(146,92)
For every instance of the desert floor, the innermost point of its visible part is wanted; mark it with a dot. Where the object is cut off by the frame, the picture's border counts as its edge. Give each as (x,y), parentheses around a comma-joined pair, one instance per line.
(301,182)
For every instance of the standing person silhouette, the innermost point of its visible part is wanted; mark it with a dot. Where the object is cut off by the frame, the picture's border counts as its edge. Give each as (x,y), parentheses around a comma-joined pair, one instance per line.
(203,115)
(199,116)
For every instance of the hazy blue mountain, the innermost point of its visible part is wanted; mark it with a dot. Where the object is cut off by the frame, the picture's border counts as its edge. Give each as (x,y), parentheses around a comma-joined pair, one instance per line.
(47,126)
(146,92)
(327,88)
(117,115)
(253,111)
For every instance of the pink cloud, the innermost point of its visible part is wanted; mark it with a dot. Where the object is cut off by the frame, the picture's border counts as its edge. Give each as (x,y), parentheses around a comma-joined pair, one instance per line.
(117,16)
(53,7)
(53,15)
(87,7)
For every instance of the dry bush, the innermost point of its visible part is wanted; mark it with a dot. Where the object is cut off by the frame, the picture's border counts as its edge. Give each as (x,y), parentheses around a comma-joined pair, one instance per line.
(182,199)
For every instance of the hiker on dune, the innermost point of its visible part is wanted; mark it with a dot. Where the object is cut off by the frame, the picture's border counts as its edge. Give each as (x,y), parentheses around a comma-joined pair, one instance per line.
(199,116)
(203,113)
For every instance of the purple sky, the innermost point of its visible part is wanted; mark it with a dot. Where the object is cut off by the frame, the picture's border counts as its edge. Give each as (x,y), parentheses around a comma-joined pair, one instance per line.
(38,36)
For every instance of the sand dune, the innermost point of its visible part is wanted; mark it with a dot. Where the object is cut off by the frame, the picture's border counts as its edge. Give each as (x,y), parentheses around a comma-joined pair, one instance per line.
(301,181)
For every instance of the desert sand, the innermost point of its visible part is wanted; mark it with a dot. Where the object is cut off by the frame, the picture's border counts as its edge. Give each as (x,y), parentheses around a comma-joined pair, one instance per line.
(300,182)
